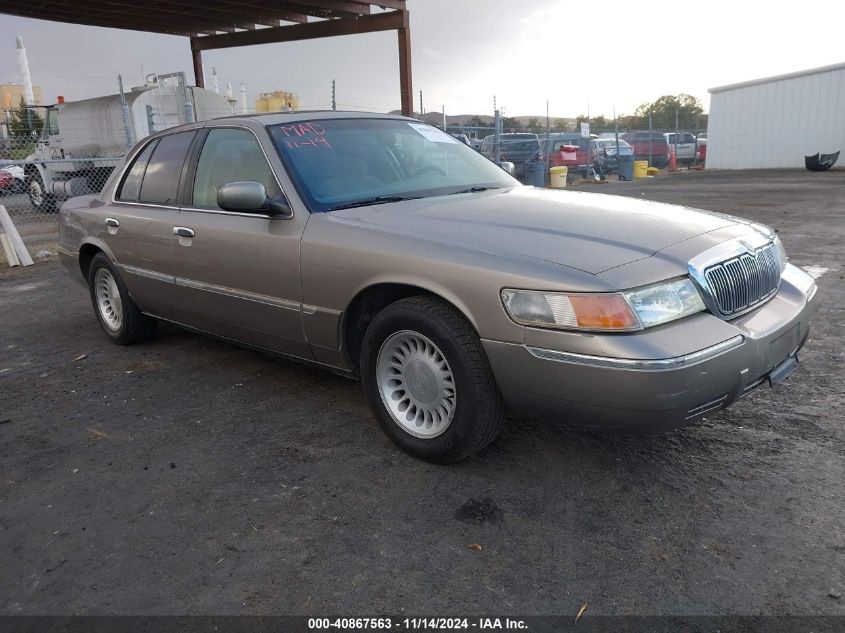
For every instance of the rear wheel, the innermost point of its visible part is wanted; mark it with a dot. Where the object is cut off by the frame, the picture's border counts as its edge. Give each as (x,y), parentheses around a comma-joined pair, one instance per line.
(117,314)
(428,380)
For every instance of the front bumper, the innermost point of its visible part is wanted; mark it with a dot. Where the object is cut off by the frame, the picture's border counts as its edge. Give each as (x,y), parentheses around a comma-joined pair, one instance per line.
(601,390)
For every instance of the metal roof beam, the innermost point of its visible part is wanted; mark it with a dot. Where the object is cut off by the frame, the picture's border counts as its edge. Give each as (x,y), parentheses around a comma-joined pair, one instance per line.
(387,21)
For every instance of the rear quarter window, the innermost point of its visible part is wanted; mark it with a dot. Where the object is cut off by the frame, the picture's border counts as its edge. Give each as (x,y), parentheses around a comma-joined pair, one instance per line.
(131,185)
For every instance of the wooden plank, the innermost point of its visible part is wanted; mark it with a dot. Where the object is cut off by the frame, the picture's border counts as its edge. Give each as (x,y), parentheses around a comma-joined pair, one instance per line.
(9,251)
(14,237)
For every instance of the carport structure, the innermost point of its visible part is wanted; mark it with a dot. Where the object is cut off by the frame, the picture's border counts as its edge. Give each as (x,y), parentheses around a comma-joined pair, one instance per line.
(212,24)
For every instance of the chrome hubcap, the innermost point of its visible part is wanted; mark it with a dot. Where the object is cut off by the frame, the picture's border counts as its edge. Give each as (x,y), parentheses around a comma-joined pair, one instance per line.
(108,299)
(36,196)
(416,384)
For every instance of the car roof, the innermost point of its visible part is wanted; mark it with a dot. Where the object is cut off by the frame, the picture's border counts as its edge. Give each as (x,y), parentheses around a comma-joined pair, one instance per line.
(274,118)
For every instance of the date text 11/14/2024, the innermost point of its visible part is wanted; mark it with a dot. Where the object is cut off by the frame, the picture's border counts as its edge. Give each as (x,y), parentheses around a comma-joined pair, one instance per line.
(417,624)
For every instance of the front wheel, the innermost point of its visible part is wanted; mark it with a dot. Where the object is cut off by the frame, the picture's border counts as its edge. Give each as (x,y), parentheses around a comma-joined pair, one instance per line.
(38,197)
(428,381)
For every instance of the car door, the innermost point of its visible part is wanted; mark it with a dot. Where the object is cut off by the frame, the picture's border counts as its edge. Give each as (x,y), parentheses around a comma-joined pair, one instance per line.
(238,273)
(139,222)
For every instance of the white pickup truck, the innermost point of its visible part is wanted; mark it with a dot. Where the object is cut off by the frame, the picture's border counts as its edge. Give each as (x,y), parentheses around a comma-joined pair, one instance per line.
(686,149)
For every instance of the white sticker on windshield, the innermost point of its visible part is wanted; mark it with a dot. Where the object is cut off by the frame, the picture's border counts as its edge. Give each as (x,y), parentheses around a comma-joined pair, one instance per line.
(433,134)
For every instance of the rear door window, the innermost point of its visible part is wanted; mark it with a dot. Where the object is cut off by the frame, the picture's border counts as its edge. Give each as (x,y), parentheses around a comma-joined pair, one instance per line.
(161,179)
(132,181)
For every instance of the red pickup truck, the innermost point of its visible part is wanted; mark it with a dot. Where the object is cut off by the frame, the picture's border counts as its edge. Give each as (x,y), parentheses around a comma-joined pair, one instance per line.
(569,150)
(640,142)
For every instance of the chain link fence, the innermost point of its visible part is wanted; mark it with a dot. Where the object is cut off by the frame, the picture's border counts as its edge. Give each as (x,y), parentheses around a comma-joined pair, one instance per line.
(39,172)
(36,178)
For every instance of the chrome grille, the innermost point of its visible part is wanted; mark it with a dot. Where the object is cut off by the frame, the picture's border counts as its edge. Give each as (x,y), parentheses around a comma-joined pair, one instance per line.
(740,283)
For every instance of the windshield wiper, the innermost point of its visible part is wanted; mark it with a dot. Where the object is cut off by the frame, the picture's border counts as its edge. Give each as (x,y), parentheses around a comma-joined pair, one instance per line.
(473,190)
(376,200)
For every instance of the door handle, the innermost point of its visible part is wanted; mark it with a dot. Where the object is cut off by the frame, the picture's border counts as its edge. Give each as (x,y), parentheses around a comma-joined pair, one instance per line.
(183,231)
(112,222)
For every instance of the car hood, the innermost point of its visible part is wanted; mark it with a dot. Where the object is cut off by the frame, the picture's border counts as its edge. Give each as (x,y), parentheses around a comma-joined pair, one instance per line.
(587,231)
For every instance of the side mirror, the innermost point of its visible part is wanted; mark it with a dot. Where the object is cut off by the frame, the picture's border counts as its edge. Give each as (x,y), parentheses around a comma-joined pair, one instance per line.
(251,197)
(507,166)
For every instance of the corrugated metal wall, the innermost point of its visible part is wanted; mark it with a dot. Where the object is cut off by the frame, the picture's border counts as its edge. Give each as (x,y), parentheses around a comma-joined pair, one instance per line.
(775,123)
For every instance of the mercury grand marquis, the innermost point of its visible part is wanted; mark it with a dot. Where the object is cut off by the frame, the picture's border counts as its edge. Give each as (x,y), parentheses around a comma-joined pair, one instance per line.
(383,249)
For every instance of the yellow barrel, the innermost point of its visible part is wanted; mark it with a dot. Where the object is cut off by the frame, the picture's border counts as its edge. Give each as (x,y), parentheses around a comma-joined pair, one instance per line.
(640,168)
(557,175)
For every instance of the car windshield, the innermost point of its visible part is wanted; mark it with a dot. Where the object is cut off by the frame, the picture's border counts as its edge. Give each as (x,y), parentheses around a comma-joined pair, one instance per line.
(339,163)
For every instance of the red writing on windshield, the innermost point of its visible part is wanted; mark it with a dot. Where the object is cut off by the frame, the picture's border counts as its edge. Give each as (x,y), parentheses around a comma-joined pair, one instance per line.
(305,135)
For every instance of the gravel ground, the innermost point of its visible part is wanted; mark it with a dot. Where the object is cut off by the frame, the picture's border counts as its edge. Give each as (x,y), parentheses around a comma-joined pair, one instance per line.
(189,476)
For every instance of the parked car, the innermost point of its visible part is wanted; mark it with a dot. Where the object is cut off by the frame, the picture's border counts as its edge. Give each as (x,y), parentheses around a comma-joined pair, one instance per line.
(647,144)
(381,248)
(516,148)
(687,147)
(605,153)
(701,156)
(12,179)
(575,152)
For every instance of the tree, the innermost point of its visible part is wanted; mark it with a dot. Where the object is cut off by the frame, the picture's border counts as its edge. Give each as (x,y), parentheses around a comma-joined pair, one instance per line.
(511,123)
(598,122)
(25,121)
(689,109)
(476,121)
(534,124)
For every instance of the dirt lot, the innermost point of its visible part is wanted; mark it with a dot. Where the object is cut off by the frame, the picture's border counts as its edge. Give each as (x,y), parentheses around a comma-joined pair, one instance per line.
(193,476)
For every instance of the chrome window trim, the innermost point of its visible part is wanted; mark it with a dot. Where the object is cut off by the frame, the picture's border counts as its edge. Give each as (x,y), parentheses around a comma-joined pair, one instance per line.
(235,213)
(144,204)
(638,364)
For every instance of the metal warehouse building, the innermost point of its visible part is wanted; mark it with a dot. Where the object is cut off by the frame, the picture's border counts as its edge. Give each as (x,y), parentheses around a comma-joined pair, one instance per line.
(776,121)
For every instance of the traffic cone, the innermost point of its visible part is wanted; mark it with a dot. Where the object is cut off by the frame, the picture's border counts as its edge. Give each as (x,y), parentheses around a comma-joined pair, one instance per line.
(673,163)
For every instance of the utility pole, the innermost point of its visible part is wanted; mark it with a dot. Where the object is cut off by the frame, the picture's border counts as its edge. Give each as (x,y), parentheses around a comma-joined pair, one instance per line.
(677,136)
(650,129)
(444,117)
(334,102)
(127,129)
(422,112)
(548,147)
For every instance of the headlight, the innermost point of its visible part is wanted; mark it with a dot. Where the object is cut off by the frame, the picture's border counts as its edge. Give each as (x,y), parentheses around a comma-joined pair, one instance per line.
(781,253)
(620,312)
(665,302)
(580,311)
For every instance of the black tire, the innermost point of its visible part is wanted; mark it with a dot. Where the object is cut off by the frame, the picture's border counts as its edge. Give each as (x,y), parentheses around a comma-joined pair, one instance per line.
(135,326)
(42,202)
(479,411)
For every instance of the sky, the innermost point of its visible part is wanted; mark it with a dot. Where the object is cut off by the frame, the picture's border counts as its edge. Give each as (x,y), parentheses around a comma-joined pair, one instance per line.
(464,52)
